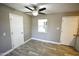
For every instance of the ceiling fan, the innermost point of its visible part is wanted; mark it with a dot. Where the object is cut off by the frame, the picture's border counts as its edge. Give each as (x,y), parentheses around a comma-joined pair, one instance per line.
(35,10)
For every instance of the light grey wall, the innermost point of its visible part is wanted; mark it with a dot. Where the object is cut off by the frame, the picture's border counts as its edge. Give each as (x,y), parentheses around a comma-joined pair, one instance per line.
(5,41)
(54,22)
(53,34)
(27,27)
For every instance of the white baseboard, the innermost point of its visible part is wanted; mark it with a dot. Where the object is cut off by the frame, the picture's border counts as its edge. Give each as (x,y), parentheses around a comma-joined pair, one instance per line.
(45,40)
(26,42)
(3,54)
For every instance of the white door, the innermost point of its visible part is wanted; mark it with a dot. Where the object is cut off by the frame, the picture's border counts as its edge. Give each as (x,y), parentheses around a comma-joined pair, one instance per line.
(69,30)
(16,26)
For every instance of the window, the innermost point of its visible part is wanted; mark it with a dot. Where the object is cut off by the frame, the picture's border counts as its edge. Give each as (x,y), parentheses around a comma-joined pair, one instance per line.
(42,25)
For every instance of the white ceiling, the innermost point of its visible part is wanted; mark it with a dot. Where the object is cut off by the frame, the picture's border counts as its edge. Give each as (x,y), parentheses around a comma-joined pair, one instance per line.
(50,7)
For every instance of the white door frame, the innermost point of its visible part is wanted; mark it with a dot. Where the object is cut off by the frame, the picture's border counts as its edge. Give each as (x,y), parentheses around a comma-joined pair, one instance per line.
(61,28)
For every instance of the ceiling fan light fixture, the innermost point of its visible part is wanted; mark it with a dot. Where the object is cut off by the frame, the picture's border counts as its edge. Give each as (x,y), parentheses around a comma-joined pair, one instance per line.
(35,13)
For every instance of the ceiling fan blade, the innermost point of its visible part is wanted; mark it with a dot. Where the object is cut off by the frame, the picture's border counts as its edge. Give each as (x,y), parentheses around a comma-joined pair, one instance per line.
(42,9)
(28,8)
(42,13)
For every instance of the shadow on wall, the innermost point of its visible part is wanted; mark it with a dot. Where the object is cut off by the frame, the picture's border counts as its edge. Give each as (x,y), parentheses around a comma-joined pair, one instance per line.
(27,36)
(73,42)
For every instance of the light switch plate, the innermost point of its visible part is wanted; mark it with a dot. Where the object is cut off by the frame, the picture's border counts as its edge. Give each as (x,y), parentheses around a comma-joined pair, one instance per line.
(4,34)
(58,28)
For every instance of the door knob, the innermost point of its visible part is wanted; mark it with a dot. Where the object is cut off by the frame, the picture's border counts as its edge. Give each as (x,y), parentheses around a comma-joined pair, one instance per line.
(75,34)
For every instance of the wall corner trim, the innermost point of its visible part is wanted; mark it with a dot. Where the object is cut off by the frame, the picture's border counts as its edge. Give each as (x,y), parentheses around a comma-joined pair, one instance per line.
(33,38)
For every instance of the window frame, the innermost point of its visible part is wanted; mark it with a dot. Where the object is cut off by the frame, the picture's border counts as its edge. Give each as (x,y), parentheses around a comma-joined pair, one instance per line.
(46,21)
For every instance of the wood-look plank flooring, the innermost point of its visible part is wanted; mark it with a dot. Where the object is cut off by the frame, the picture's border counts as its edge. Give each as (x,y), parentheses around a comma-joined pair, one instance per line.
(37,48)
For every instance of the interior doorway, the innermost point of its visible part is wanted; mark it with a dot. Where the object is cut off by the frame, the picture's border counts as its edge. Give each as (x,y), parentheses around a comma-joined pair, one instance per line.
(69,29)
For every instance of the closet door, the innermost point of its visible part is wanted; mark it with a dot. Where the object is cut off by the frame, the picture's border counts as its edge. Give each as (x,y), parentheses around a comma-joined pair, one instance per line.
(17,33)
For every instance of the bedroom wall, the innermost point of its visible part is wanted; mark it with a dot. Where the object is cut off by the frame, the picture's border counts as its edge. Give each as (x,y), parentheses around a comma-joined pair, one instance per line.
(5,41)
(54,22)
